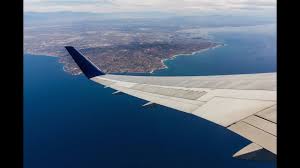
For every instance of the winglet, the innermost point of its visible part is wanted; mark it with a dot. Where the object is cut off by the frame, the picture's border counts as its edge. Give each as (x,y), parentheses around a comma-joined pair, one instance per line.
(87,67)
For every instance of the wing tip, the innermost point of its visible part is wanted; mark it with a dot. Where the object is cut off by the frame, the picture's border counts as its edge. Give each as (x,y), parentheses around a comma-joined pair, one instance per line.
(88,68)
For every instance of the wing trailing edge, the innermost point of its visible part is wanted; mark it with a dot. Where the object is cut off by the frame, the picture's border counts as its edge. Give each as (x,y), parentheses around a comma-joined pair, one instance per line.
(254,152)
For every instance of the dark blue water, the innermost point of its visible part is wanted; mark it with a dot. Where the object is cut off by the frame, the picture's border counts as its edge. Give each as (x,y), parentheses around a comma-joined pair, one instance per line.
(242,53)
(70,121)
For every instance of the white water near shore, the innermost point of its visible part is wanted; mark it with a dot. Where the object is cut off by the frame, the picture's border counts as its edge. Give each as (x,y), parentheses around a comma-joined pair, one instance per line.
(193,53)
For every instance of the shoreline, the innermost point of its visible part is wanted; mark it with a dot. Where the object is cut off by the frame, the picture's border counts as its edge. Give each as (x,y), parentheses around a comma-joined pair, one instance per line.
(164,66)
(39,55)
(178,55)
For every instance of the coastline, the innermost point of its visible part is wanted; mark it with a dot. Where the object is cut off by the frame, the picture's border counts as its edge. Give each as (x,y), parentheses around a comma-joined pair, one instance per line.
(39,55)
(174,56)
(164,66)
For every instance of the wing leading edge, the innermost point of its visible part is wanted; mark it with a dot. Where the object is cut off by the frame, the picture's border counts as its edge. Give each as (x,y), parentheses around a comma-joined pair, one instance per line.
(244,104)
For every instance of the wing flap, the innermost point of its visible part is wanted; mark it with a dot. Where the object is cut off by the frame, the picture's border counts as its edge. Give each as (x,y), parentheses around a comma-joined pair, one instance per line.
(269,114)
(226,111)
(256,135)
(262,124)
(254,152)
(240,94)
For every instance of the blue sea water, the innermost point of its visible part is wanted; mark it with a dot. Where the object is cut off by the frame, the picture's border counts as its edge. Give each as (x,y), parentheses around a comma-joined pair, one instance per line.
(242,53)
(72,122)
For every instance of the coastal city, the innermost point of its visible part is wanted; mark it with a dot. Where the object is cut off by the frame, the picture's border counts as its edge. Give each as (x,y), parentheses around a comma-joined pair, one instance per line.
(110,46)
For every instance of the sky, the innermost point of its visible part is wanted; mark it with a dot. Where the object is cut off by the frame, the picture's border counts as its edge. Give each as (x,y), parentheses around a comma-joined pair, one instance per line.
(111,6)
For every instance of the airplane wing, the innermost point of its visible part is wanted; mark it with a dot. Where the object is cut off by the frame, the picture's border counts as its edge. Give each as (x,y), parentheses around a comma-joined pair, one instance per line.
(244,104)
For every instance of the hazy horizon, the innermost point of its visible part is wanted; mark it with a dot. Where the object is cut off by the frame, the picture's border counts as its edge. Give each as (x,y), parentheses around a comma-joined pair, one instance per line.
(259,7)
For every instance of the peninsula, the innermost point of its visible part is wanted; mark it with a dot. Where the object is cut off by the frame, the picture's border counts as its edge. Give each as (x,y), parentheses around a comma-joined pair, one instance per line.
(124,45)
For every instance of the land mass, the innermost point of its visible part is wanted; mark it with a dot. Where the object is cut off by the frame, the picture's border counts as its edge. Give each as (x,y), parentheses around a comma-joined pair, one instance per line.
(116,46)
(141,57)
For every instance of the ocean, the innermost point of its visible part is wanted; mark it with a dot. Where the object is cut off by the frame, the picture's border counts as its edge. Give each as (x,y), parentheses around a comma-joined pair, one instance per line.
(70,121)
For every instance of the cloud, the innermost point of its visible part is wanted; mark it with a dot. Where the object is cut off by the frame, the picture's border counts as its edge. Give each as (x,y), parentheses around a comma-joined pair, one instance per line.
(101,6)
